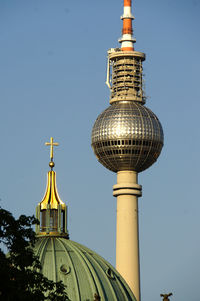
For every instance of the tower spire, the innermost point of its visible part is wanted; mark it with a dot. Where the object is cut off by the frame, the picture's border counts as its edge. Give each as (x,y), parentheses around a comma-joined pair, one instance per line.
(124,67)
(127,41)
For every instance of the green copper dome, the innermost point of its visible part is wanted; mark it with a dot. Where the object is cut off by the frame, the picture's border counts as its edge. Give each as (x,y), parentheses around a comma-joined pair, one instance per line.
(86,275)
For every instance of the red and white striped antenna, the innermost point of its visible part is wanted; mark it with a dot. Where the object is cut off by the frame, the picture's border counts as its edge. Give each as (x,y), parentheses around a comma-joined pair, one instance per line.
(127,39)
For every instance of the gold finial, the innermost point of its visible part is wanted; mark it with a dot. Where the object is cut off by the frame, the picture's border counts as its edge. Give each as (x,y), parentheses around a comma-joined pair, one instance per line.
(51,144)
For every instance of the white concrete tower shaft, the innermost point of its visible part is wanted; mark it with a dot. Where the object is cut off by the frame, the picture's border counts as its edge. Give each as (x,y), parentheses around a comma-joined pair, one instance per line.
(127,192)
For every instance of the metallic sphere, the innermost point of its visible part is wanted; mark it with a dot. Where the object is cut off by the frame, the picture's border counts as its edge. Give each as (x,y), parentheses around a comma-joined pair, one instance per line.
(127,136)
(51,164)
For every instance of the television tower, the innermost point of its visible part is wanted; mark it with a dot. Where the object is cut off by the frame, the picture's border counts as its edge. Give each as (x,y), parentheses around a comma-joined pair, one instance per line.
(127,138)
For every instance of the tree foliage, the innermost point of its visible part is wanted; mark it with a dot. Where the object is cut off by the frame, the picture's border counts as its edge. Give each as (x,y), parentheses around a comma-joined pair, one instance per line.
(21,279)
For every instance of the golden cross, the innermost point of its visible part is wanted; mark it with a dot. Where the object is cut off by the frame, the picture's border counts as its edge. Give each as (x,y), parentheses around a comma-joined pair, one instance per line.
(52,144)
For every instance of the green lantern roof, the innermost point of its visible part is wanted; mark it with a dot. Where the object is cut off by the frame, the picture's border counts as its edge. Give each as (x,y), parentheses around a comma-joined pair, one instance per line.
(86,275)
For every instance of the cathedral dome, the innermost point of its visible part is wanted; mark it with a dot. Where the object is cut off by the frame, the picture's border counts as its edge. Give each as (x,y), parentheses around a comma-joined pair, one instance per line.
(86,275)
(127,136)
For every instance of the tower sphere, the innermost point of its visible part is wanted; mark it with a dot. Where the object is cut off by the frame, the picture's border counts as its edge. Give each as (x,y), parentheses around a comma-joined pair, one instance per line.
(127,136)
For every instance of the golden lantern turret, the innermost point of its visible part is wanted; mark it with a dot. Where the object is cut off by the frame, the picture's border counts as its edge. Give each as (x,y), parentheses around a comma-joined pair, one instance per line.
(51,211)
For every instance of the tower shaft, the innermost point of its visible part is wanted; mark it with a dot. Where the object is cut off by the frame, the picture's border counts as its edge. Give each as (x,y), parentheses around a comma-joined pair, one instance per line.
(127,192)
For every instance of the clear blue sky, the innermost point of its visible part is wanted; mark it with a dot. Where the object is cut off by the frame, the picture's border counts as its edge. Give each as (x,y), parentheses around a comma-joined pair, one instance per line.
(52,75)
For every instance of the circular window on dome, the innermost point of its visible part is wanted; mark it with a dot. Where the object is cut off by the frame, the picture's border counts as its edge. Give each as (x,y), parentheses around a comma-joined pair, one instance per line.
(65,269)
(110,273)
